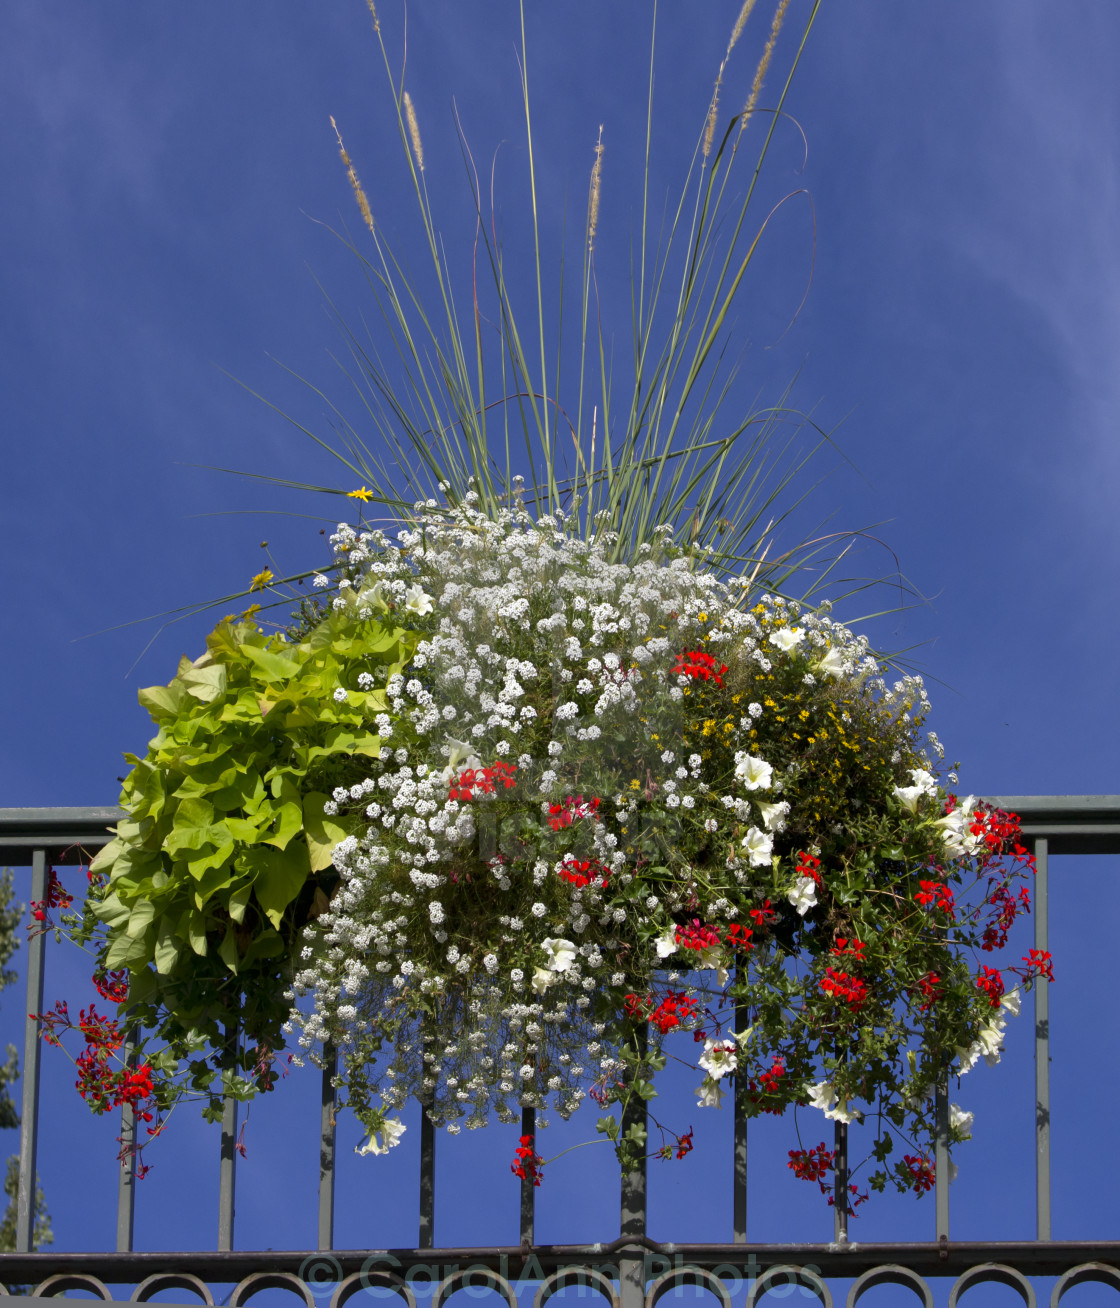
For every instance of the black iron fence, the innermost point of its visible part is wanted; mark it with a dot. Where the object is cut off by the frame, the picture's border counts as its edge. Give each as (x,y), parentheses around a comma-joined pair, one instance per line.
(630,1272)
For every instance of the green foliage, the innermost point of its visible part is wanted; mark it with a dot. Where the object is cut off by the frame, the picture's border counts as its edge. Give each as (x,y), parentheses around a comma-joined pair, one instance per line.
(11,916)
(226,854)
(42,1233)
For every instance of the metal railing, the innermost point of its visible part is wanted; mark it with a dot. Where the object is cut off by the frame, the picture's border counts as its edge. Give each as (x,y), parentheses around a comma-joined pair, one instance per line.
(629,1272)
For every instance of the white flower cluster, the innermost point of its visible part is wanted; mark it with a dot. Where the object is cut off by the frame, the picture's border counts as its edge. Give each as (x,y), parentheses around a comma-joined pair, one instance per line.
(502,859)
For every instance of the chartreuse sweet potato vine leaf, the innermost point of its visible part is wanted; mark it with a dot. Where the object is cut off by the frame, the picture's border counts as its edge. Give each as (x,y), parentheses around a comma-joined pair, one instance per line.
(226,853)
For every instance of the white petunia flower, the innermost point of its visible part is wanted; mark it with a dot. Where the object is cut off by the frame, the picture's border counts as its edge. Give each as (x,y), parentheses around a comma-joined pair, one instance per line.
(774,815)
(390,1134)
(666,943)
(803,894)
(823,1096)
(561,954)
(960,1121)
(832,663)
(719,1058)
(758,847)
(418,601)
(754,773)
(709,1093)
(786,638)
(542,979)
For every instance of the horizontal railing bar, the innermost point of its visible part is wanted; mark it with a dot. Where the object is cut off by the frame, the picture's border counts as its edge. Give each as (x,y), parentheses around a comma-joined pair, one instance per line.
(1034,1258)
(1074,824)
(23,830)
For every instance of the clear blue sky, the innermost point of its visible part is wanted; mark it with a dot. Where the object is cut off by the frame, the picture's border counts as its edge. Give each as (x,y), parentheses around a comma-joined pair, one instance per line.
(167,174)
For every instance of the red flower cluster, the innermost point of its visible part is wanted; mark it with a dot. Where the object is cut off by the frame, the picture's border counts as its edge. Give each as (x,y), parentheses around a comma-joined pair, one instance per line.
(1000,831)
(563,815)
(811,1164)
(808,866)
(669,1014)
(697,935)
(100,1084)
(1007,908)
(990,981)
(764,916)
(674,1009)
(112,985)
(699,666)
(939,895)
(584,872)
(1038,963)
(930,989)
(921,1172)
(484,781)
(851,949)
(845,986)
(57,897)
(769,1083)
(528,1162)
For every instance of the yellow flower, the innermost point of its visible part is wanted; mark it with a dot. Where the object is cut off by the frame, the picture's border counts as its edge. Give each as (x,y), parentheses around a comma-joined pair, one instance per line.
(262,579)
(362,494)
(635,784)
(253,608)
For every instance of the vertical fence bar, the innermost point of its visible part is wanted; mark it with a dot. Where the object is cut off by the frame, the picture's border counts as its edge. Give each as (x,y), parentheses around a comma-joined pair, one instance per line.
(632,1217)
(427,1180)
(840,1191)
(126,1179)
(227,1176)
(29,1106)
(739,1180)
(528,1189)
(1042,1046)
(941,1160)
(326,1149)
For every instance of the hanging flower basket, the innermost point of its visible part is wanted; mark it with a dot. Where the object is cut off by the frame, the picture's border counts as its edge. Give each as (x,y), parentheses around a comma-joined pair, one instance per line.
(588,805)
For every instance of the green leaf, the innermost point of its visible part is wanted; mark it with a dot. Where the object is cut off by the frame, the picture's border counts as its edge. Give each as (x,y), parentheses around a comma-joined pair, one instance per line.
(275,667)
(196,932)
(141,917)
(227,950)
(111,911)
(106,855)
(239,901)
(162,701)
(205,684)
(323,832)
(290,823)
(167,951)
(124,951)
(280,878)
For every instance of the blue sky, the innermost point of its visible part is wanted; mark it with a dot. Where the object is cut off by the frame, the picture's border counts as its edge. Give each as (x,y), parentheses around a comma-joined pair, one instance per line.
(168,177)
